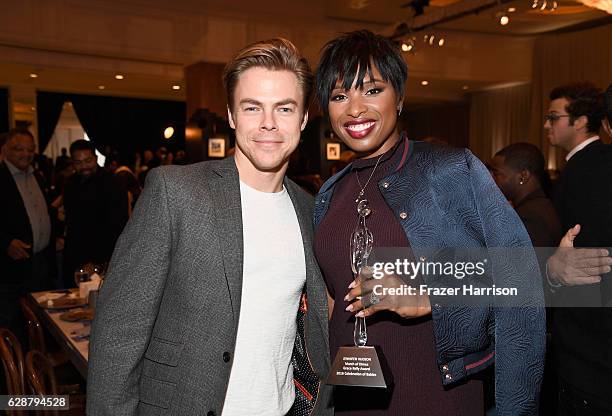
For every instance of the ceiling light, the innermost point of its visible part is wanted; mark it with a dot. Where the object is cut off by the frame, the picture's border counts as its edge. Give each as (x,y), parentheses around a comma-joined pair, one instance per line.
(441,42)
(549,5)
(511,9)
(101,87)
(604,5)
(465,87)
(33,108)
(424,83)
(33,75)
(431,39)
(504,20)
(119,76)
(176,87)
(168,132)
(408,45)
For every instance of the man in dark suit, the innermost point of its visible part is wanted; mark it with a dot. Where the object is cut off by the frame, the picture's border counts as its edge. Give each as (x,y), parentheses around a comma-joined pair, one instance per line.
(518,170)
(96,211)
(582,336)
(203,311)
(26,239)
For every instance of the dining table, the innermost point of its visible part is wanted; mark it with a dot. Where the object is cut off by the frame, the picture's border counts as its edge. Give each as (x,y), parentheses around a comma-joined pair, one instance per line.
(72,334)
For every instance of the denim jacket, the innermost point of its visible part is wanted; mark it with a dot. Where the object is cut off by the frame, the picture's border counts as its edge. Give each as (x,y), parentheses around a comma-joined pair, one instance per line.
(444,197)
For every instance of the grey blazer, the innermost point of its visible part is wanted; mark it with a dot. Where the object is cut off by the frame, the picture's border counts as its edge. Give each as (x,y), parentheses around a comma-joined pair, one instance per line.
(164,333)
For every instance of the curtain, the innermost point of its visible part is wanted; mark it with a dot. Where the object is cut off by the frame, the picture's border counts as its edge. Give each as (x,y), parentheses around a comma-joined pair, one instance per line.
(498,118)
(48,111)
(4,110)
(125,124)
(447,123)
(563,58)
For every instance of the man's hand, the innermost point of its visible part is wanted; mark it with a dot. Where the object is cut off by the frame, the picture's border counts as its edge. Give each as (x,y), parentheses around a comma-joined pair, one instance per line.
(571,266)
(18,250)
(405,305)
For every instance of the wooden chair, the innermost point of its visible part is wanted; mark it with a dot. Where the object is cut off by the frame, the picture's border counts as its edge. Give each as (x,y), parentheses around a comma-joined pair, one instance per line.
(12,361)
(42,380)
(36,336)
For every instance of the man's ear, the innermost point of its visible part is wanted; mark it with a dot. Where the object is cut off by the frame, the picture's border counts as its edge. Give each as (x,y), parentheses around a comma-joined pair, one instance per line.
(581,122)
(230,118)
(304,121)
(525,176)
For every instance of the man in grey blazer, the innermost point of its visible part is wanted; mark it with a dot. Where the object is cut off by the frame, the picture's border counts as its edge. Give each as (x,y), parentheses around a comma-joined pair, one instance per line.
(204,309)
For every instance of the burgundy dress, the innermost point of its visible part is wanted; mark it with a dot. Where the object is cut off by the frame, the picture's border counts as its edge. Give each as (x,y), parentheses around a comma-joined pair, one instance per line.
(407,344)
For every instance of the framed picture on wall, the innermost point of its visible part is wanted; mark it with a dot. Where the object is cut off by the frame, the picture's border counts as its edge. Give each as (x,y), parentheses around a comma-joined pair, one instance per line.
(333,151)
(216,147)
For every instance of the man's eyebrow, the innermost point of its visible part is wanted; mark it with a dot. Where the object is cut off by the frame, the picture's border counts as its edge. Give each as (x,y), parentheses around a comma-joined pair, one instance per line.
(286,101)
(250,101)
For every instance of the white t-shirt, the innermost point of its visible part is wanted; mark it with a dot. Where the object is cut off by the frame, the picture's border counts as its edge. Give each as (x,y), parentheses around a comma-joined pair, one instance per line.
(274,273)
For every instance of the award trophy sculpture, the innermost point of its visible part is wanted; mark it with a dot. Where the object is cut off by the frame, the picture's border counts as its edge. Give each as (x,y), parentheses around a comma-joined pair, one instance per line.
(360,365)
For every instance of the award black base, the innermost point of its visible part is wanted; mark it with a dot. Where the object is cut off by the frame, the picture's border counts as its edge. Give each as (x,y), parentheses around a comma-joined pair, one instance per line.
(360,367)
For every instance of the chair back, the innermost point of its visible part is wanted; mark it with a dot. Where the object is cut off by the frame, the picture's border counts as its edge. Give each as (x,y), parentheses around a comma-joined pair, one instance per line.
(41,376)
(12,361)
(36,336)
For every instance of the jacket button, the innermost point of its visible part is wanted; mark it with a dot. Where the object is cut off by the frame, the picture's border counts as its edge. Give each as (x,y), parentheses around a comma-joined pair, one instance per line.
(226,356)
(403,215)
(448,377)
(445,367)
(211,413)
(386,185)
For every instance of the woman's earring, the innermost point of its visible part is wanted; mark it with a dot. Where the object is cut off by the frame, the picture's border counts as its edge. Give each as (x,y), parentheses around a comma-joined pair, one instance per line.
(399,111)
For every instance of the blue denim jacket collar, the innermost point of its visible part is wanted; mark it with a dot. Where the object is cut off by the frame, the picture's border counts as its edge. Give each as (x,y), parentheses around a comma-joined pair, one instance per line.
(334,179)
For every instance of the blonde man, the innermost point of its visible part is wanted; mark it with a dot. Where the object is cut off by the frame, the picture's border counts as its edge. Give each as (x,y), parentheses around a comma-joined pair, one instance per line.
(203,311)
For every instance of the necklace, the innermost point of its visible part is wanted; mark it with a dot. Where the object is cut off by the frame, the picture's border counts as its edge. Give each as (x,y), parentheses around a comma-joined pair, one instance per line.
(363,188)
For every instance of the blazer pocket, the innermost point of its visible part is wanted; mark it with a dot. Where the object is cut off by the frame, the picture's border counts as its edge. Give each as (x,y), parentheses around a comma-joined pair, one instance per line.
(163,352)
(156,392)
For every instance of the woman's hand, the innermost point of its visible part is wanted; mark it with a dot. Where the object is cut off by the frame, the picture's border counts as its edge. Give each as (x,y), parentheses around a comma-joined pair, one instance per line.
(388,293)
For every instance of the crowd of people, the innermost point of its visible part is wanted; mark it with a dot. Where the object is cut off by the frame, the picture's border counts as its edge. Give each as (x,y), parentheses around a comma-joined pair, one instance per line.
(58,218)
(225,287)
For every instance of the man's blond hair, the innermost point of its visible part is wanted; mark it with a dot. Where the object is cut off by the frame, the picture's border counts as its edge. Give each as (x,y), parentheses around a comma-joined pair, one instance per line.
(276,54)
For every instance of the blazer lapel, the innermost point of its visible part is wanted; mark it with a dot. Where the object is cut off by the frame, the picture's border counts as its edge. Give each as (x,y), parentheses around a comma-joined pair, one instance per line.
(304,214)
(228,215)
